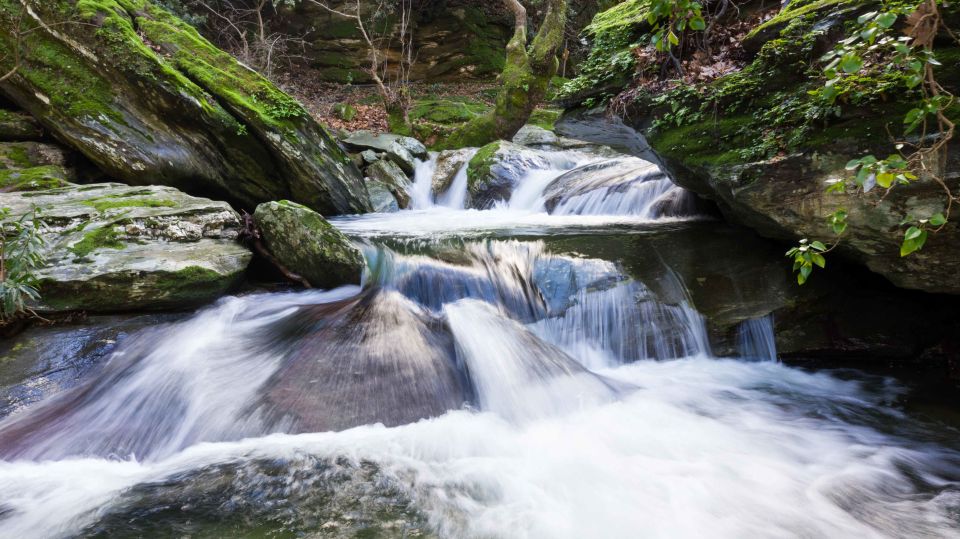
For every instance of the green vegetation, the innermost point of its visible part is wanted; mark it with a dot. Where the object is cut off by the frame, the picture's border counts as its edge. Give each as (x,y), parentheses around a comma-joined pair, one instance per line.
(113,202)
(479,165)
(105,237)
(20,257)
(32,179)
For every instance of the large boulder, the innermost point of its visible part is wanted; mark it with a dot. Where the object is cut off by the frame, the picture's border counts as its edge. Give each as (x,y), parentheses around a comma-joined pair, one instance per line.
(305,243)
(769,148)
(381,197)
(497,168)
(149,101)
(112,247)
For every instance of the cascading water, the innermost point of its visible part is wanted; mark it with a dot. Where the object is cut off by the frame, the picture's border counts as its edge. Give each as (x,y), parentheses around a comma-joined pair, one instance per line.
(491,379)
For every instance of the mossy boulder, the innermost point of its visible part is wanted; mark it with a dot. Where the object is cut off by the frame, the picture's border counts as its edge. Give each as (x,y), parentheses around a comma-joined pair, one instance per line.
(113,247)
(404,151)
(496,169)
(305,243)
(32,178)
(764,146)
(17,126)
(149,101)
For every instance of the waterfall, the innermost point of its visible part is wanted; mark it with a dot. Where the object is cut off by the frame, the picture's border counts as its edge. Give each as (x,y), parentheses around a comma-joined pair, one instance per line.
(421,196)
(456,195)
(756,340)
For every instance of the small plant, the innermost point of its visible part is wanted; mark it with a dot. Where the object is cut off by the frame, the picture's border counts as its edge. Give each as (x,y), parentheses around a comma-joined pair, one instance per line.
(21,256)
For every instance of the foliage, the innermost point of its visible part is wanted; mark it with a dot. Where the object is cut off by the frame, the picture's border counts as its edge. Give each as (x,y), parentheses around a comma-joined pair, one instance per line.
(909,60)
(20,257)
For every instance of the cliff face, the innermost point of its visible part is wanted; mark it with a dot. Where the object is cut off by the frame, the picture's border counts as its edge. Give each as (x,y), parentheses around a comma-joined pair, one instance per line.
(149,101)
(764,145)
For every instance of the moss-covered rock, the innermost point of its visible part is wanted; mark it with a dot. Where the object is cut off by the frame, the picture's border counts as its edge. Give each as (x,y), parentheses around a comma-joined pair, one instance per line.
(305,243)
(149,101)
(32,178)
(112,247)
(496,169)
(17,126)
(764,145)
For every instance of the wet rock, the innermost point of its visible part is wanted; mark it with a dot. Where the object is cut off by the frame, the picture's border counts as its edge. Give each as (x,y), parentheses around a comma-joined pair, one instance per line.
(302,496)
(113,247)
(381,198)
(449,163)
(33,178)
(18,126)
(32,154)
(303,241)
(389,174)
(162,106)
(375,358)
(45,360)
(496,169)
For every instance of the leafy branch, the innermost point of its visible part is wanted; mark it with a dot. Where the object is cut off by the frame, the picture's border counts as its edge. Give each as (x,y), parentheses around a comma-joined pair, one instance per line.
(21,255)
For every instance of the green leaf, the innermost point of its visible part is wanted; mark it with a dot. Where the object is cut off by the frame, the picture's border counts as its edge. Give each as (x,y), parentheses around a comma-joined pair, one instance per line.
(853,164)
(885,179)
(914,244)
(938,219)
(674,40)
(818,245)
(886,20)
(851,63)
(912,233)
(697,23)
(819,260)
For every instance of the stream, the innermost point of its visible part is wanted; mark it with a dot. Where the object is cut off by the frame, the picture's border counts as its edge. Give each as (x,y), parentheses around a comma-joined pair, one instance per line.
(537,369)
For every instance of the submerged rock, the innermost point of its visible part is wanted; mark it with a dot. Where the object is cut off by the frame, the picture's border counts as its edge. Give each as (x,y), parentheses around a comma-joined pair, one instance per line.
(449,163)
(495,170)
(303,241)
(301,496)
(149,101)
(113,247)
(389,174)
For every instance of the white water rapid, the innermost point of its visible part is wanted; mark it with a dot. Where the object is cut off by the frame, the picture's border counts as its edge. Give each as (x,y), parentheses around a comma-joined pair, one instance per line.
(502,373)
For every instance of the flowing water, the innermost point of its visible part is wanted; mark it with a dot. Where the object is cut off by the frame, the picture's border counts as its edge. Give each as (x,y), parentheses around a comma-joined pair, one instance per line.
(500,373)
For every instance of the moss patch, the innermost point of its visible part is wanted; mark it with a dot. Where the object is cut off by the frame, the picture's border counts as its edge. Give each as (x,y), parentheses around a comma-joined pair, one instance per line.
(106,237)
(112,202)
(479,165)
(32,179)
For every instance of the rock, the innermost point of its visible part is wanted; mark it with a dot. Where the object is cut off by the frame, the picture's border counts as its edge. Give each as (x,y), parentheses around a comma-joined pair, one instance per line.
(402,150)
(32,154)
(402,157)
(381,198)
(33,178)
(305,243)
(389,174)
(536,137)
(455,40)
(369,157)
(158,104)
(449,163)
(496,169)
(621,186)
(18,126)
(112,247)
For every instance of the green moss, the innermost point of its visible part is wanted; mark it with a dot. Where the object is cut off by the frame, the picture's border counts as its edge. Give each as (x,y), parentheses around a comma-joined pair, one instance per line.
(794,10)
(545,118)
(106,237)
(32,179)
(112,202)
(479,165)
(706,143)
(620,18)
(189,278)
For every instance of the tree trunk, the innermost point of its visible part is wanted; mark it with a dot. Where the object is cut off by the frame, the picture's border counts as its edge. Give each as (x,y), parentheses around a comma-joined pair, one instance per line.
(524,81)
